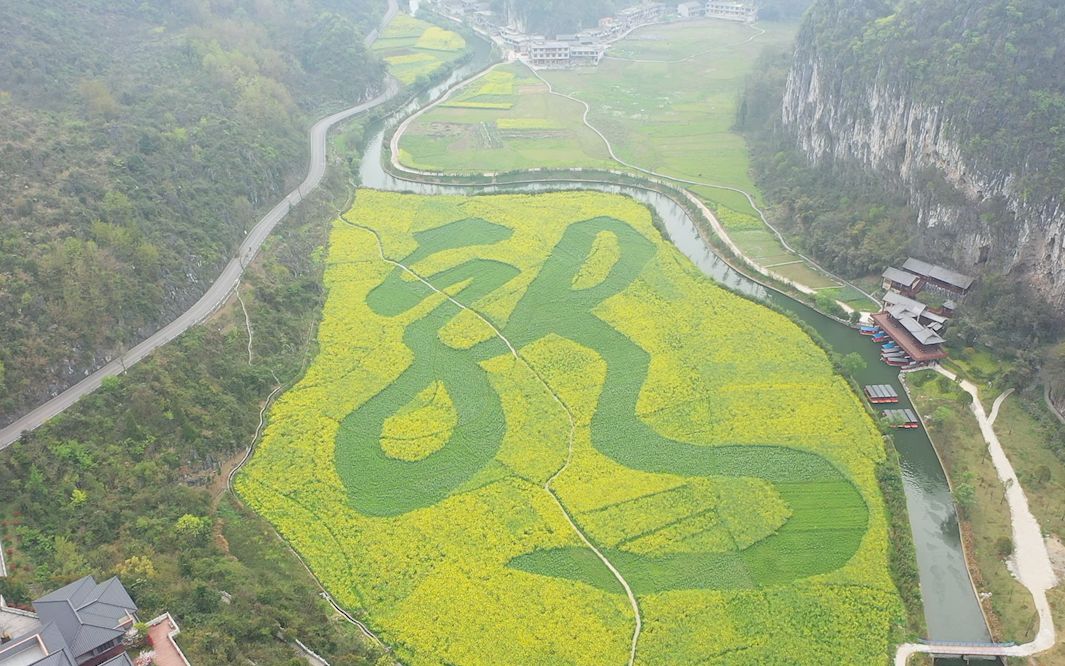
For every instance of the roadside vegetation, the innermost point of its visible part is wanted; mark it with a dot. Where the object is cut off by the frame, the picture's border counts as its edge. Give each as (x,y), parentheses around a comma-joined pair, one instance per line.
(730,477)
(138,142)
(1031,437)
(130,480)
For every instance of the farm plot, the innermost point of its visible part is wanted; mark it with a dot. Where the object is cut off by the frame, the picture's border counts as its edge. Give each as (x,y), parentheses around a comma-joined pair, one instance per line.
(701,441)
(502,121)
(414,48)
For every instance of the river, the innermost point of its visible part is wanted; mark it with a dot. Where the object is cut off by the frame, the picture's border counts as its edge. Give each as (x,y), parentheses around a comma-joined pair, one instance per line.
(952,611)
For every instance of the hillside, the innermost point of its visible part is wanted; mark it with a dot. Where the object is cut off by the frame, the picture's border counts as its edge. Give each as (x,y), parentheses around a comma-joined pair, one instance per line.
(138,142)
(956,112)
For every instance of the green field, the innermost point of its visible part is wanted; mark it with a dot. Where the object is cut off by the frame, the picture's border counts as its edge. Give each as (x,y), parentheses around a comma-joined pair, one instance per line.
(413,48)
(666,97)
(674,117)
(717,461)
(503,121)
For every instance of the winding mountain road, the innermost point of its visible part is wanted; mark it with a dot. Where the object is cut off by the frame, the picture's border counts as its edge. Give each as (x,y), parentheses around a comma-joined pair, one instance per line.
(224,285)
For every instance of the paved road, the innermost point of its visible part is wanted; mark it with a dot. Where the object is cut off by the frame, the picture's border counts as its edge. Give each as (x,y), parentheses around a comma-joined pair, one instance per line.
(219,292)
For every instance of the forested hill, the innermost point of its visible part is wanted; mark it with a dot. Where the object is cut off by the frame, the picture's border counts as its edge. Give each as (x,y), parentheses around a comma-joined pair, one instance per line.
(958,106)
(138,142)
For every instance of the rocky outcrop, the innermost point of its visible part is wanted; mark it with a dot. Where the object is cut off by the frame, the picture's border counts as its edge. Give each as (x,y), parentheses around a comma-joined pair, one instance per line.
(970,213)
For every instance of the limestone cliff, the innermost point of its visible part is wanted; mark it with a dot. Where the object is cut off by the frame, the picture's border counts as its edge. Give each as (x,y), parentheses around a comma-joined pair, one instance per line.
(855,98)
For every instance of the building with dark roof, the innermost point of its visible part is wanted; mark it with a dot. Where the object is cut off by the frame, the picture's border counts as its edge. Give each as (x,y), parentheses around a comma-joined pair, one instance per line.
(902,281)
(80,624)
(944,278)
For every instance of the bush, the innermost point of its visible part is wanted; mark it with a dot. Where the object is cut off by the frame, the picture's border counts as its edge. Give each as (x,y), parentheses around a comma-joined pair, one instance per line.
(1004,547)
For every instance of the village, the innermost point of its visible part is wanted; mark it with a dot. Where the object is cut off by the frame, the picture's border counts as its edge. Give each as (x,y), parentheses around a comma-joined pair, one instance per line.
(585,47)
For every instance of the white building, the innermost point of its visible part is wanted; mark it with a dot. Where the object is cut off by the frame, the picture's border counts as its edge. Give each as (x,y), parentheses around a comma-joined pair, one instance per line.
(648,12)
(549,54)
(691,9)
(731,10)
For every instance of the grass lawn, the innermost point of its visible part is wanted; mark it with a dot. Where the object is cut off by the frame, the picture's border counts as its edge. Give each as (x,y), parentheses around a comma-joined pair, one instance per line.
(980,366)
(414,48)
(665,97)
(1025,427)
(503,121)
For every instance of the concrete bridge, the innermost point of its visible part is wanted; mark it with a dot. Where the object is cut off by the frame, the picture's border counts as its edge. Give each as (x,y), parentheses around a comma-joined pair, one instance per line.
(983,652)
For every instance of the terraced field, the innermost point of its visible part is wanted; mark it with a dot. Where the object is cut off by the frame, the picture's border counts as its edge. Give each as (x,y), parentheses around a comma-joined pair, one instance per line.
(505,383)
(413,48)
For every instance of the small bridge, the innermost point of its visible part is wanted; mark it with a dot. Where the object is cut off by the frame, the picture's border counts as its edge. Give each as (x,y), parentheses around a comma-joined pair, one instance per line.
(989,652)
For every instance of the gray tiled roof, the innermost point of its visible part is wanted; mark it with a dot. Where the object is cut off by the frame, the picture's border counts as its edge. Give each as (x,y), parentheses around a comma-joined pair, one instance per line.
(86,614)
(938,272)
(899,276)
(120,660)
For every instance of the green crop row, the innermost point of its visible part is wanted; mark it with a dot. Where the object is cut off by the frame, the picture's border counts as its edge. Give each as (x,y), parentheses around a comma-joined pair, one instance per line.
(701,441)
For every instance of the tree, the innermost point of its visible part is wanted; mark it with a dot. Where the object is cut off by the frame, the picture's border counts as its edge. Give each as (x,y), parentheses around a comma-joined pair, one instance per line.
(964,497)
(942,414)
(192,530)
(98,99)
(1053,369)
(852,363)
(69,563)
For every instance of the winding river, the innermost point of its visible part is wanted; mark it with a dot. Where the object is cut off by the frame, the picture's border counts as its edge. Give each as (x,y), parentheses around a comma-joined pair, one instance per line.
(952,610)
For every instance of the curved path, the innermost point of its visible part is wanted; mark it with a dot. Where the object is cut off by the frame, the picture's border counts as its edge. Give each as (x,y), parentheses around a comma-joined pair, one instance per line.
(547,486)
(1032,562)
(223,286)
(719,230)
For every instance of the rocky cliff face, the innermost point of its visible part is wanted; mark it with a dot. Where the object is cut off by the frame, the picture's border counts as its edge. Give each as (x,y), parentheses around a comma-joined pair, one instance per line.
(971,213)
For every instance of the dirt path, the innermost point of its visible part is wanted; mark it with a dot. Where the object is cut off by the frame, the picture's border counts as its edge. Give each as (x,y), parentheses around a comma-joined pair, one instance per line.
(719,230)
(247,320)
(569,445)
(1032,564)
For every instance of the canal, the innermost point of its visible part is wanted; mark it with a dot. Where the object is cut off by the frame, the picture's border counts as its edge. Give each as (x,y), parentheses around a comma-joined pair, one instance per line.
(952,611)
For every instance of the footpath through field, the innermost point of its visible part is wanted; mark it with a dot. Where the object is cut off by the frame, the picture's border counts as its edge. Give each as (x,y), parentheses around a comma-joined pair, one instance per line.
(764,267)
(569,448)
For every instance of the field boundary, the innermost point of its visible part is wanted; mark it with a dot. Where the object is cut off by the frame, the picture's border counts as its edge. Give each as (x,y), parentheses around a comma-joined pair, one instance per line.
(634,604)
(719,230)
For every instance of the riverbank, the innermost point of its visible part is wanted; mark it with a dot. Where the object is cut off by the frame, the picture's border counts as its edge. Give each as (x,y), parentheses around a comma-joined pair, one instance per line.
(1029,558)
(670,120)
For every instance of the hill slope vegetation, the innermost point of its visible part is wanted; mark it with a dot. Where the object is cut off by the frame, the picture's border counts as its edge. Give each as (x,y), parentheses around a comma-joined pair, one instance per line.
(138,142)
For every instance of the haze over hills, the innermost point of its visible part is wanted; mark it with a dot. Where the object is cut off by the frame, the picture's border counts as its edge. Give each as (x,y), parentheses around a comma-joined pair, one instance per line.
(139,141)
